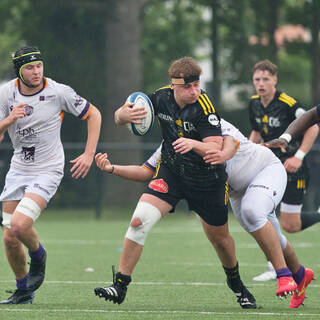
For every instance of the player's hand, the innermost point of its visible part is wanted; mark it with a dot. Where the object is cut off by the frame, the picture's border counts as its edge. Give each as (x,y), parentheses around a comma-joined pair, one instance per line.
(277,143)
(81,165)
(103,162)
(215,157)
(183,145)
(126,114)
(17,112)
(292,164)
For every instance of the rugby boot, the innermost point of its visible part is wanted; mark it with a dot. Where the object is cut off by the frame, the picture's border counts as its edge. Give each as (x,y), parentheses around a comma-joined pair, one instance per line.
(244,297)
(20,297)
(117,292)
(300,294)
(269,274)
(36,273)
(286,286)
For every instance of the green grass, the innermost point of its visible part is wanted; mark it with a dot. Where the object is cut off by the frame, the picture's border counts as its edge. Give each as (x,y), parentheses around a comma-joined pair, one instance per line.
(178,277)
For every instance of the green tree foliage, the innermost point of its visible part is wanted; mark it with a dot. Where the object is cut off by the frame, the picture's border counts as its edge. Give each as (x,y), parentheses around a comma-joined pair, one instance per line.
(171,29)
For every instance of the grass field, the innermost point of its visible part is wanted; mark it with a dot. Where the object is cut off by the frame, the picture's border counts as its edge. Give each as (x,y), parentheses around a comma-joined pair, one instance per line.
(178,277)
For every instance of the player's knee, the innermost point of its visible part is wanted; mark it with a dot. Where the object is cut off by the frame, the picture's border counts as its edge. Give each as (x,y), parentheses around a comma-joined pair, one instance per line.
(252,217)
(290,227)
(144,218)
(10,242)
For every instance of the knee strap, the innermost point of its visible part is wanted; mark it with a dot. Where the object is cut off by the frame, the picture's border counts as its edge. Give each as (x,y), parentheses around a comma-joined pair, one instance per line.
(6,219)
(149,216)
(29,208)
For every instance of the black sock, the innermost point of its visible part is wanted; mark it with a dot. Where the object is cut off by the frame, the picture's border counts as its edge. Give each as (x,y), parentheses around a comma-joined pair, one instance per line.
(233,278)
(308,219)
(122,279)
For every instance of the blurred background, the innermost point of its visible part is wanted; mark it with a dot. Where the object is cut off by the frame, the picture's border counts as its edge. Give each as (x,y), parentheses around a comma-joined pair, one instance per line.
(106,49)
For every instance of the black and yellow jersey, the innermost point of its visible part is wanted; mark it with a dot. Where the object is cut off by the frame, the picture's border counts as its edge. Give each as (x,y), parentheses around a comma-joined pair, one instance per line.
(195,121)
(273,120)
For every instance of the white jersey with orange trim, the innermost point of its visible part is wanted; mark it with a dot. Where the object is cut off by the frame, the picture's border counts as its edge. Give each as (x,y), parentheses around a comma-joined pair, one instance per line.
(243,166)
(36,137)
(248,160)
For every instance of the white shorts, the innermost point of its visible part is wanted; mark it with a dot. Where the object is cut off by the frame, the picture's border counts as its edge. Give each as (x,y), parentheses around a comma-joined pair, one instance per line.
(16,185)
(257,204)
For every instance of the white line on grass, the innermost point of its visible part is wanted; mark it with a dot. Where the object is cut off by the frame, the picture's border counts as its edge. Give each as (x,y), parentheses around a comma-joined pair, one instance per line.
(248,313)
(159,283)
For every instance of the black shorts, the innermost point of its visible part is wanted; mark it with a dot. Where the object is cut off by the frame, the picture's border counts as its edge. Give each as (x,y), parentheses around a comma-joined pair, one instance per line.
(211,206)
(295,191)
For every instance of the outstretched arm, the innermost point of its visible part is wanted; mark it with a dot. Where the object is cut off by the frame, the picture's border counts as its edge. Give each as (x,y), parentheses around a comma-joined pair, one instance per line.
(296,128)
(82,164)
(130,172)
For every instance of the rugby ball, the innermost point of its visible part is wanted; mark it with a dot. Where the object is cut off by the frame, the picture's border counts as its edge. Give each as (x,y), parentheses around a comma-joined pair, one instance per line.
(141,100)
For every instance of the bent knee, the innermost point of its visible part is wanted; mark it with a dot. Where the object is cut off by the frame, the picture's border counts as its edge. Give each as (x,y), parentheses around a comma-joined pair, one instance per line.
(10,242)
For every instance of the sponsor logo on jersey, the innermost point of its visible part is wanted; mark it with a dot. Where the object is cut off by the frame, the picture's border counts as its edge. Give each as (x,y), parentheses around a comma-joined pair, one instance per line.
(213,120)
(79,102)
(159,185)
(188,127)
(165,117)
(29,110)
(26,132)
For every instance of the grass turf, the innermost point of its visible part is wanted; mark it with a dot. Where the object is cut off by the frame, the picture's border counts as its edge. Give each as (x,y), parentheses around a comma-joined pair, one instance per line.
(178,277)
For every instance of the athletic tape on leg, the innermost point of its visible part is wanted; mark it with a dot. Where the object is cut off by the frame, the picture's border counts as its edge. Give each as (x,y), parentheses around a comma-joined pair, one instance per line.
(149,216)
(29,208)
(6,219)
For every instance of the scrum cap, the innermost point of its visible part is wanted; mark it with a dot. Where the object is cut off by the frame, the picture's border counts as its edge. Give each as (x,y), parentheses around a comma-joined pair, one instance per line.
(24,56)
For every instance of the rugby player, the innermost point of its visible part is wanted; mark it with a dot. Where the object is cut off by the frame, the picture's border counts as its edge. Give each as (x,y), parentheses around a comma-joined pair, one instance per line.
(31,110)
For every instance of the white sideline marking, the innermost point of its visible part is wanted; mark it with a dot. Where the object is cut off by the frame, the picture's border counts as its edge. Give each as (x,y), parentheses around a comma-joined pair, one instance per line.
(162,283)
(247,312)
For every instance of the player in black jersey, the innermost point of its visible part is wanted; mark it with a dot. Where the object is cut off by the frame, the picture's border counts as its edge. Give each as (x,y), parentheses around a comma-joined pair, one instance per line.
(270,112)
(190,126)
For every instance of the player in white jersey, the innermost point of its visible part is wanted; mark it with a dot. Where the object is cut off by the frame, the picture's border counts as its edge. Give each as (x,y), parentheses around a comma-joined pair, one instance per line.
(257,182)
(31,110)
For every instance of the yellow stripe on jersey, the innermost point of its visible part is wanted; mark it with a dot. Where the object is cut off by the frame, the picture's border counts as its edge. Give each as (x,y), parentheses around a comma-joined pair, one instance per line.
(165,87)
(301,184)
(226,194)
(286,99)
(255,96)
(206,104)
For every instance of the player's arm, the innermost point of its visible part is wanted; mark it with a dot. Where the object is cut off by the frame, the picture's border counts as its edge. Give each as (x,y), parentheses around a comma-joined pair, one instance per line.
(82,164)
(184,145)
(17,112)
(126,114)
(296,128)
(129,172)
(255,137)
(229,149)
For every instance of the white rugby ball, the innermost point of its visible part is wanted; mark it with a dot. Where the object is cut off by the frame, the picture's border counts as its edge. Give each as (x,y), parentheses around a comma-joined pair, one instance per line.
(141,100)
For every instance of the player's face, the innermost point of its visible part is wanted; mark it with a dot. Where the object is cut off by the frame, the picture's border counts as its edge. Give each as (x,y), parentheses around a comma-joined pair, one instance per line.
(264,83)
(186,93)
(32,74)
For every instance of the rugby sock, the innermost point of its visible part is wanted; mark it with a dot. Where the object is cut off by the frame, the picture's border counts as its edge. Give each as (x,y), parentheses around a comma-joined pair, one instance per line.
(308,219)
(38,253)
(22,283)
(284,272)
(233,278)
(298,277)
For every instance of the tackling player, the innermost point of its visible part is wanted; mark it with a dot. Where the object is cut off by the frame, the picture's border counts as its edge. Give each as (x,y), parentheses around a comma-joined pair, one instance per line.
(254,174)
(270,112)
(31,109)
(190,126)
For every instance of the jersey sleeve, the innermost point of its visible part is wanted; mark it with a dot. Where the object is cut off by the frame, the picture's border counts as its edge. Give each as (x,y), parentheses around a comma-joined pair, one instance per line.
(152,162)
(295,109)
(73,103)
(208,123)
